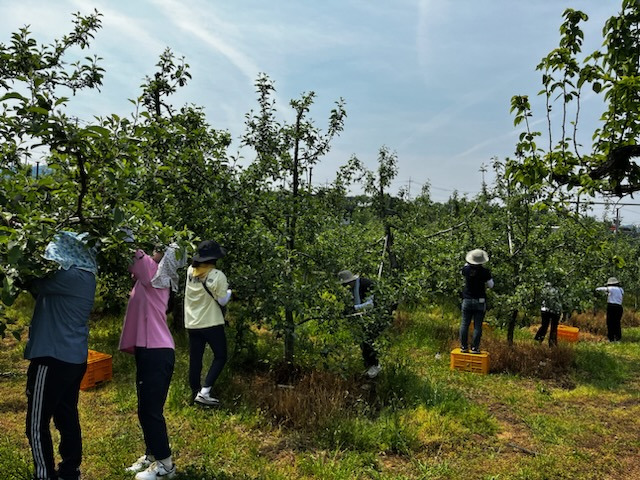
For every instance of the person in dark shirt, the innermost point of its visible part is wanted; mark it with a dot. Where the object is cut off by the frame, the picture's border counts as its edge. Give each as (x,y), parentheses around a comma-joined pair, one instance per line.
(361,291)
(550,311)
(57,350)
(474,303)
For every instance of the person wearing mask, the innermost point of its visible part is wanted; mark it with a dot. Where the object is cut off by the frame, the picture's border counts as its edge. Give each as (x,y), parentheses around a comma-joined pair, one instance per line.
(362,295)
(145,335)
(57,351)
(614,308)
(206,294)
(477,279)
(549,314)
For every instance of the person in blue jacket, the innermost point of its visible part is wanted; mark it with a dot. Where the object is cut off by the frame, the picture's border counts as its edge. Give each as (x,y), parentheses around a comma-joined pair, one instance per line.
(57,350)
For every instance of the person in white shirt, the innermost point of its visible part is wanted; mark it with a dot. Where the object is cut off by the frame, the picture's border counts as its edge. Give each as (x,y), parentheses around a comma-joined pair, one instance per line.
(615,293)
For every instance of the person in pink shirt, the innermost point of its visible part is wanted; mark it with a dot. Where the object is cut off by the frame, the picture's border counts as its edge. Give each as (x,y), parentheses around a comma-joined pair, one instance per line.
(145,334)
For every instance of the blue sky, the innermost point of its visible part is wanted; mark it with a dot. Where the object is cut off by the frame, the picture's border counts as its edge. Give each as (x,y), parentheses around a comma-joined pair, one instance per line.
(430,79)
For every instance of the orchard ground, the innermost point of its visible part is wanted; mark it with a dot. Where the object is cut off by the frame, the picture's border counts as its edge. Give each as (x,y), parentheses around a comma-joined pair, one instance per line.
(570,412)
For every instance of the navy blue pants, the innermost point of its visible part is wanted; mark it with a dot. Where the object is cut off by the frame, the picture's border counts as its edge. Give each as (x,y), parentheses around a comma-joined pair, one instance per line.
(154,368)
(472,309)
(198,340)
(53,388)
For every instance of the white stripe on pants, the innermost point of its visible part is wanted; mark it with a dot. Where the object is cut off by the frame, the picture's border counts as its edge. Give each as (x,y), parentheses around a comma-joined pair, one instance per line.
(36,421)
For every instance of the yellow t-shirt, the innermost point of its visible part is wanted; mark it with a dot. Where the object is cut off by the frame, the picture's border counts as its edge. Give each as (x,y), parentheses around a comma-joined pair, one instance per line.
(200,309)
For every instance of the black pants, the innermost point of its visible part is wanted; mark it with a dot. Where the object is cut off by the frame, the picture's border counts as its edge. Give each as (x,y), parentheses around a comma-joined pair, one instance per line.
(154,368)
(53,388)
(614,316)
(552,318)
(198,340)
(369,354)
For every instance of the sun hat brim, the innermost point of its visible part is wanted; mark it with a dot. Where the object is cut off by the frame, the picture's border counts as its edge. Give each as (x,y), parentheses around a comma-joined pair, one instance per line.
(477,257)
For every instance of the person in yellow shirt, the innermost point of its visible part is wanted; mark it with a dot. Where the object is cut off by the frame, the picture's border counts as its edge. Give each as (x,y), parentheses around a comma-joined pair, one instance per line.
(206,294)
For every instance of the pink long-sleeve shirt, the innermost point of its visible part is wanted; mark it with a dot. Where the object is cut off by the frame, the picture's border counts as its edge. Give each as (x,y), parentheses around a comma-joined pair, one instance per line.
(145,323)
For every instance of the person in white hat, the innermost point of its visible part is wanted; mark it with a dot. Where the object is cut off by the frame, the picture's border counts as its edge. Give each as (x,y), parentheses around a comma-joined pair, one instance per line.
(474,305)
(614,308)
(363,300)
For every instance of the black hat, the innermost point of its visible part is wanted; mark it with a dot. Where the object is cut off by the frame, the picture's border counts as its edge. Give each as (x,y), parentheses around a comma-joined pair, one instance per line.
(209,250)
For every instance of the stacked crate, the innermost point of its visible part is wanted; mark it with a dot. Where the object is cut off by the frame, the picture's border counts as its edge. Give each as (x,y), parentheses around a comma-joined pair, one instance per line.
(99,370)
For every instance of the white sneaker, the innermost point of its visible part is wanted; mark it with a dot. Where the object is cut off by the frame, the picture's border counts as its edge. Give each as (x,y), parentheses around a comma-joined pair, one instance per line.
(157,471)
(373,371)
(140,464)
(206,399)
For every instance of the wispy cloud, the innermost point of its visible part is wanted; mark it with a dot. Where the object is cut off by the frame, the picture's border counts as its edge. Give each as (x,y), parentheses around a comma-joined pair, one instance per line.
(190,20)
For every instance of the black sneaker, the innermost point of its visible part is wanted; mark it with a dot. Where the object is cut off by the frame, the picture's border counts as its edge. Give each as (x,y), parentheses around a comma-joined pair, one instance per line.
(475,350)
(464,350)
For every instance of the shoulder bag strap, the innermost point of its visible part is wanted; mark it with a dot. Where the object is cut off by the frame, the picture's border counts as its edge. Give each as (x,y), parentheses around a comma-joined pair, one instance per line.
(222,309)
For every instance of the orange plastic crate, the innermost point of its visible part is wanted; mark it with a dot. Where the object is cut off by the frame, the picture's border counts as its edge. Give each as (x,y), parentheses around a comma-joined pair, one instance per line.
(99,370)
(470,362)
(568,334)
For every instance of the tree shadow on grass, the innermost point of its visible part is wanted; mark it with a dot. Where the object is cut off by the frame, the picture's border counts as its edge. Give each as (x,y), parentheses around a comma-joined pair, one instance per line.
(603,369)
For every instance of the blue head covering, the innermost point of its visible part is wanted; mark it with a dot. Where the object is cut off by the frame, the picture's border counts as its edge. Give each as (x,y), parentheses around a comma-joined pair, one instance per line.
(69,249)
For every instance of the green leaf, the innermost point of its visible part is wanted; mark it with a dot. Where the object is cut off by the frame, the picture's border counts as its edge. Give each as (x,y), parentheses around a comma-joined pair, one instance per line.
(40,110)
(12,95)
(101,131)
(118,216)
(14,255)
(8,297)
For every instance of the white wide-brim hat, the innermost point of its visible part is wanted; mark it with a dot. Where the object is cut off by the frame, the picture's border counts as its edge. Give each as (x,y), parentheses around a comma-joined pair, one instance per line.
(345,276)
(477,257)
(613,281)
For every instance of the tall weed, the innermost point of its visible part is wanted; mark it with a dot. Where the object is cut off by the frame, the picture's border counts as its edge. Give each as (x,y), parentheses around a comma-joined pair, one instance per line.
(529,358)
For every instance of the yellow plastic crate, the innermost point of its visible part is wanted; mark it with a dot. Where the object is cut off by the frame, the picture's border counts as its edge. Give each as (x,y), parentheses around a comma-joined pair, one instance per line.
(99,370)
(568,334)
(470,362)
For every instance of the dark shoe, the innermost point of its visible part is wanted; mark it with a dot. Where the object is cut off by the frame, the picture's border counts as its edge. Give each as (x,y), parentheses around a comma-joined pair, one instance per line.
(464,350)
(475,350)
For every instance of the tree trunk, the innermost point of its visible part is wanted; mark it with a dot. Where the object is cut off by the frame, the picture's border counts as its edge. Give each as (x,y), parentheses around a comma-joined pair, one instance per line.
(289,340)
(393,260)
(511,326)
(289,324)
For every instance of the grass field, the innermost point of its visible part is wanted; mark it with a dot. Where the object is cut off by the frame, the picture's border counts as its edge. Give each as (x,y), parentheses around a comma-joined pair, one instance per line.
(571,413)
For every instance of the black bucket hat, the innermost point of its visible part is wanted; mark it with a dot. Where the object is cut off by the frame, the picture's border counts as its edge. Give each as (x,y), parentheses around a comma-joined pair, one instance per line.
(209,250)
